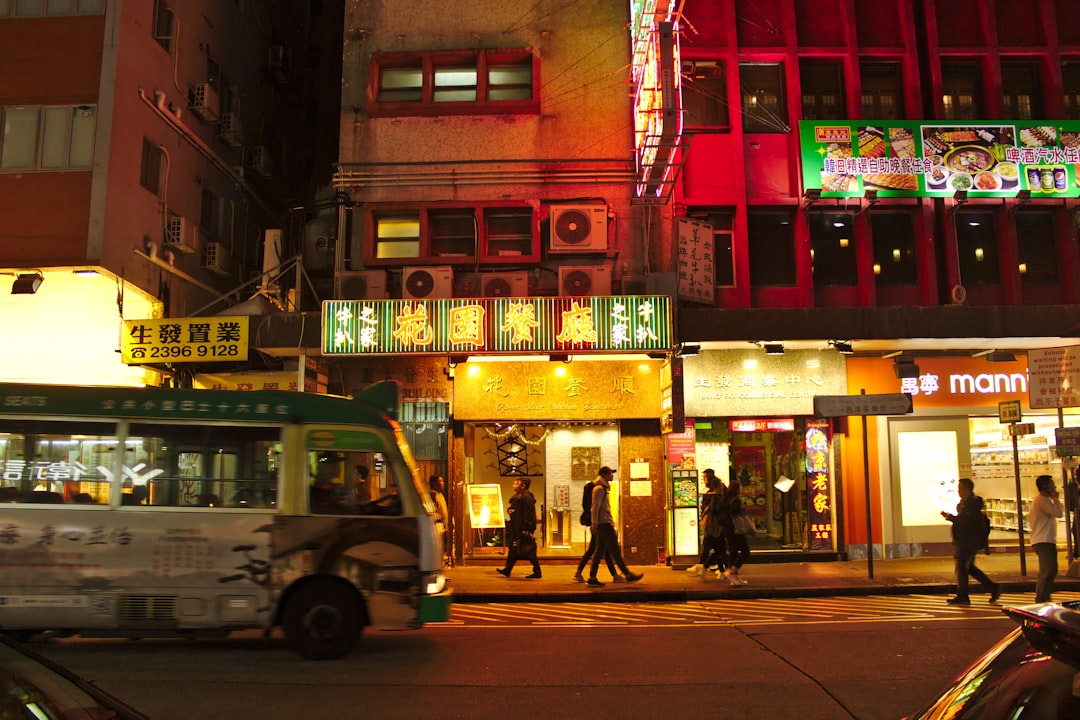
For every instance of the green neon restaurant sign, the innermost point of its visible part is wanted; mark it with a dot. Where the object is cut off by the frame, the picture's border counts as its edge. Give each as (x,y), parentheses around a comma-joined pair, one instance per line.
(625,323)
(916,159)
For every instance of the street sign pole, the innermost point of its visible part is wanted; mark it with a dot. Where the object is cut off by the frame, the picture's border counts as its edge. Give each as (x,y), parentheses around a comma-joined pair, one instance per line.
(1019,504)
(869,514)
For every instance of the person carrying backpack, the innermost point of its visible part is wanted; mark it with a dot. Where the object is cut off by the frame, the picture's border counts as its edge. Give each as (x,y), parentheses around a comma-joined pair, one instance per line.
(969,537)
(586,521)
(603,525)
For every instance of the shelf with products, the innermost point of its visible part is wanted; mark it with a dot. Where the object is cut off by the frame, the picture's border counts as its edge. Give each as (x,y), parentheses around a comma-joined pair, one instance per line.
(1002,512)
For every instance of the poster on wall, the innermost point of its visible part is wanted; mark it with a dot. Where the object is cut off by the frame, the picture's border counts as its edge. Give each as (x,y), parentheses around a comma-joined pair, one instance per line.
(485,506)
(750,474)
(584,463)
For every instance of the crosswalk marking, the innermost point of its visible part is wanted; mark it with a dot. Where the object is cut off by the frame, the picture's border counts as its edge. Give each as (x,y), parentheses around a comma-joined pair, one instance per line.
(764,611)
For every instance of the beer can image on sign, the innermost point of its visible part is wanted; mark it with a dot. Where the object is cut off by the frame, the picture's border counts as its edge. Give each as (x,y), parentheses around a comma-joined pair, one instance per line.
(1033,178)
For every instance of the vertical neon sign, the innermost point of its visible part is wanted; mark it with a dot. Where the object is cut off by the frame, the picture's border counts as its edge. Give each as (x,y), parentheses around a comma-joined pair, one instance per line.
(658,94)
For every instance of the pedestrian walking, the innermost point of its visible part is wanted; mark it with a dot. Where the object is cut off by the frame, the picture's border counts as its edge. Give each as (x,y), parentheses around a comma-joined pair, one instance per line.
(736,533)
(604,527)
(714,539)
(1042,522)
(520,526)
(436,487)
(586,520)
(969,536)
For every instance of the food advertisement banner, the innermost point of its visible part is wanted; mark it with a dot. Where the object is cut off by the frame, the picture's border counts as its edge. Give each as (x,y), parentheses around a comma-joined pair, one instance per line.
(912,159)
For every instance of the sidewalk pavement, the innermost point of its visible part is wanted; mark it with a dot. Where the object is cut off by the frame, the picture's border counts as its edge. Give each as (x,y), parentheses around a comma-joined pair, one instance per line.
(925,575)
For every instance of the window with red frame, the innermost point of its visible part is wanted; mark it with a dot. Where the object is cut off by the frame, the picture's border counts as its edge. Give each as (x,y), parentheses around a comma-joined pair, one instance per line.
(495,234)
(463,83)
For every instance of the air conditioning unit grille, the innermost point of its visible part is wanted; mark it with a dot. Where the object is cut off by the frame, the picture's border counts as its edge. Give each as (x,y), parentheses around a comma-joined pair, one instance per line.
(362,285)
(427,283)
(510,284)
(585,280)
(578,229)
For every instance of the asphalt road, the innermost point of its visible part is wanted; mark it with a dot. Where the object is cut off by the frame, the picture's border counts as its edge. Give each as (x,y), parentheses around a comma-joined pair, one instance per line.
(876,658)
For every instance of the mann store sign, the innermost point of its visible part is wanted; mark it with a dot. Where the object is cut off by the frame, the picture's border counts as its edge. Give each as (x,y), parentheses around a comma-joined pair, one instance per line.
(912,159)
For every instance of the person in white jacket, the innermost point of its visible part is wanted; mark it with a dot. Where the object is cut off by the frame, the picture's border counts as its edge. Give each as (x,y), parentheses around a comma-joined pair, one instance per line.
(1042,520)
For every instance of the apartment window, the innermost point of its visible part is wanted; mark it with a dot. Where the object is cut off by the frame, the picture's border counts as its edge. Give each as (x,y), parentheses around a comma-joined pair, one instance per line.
(211,217)
(150,168)
(1035,238)
(466,82)
(1070,87)
(47,138)
(164,24)
(401,84)
(961,91)
(1020,90)
(894,249)
(882,90)
(452,233)
(977,246)
(454,83)
(705,103)
(771,237)
(822,90)
(508,232)
(832,249)
(723,224)
(397,235)
(510,79)
(455,235)
(51,8)
(764,108)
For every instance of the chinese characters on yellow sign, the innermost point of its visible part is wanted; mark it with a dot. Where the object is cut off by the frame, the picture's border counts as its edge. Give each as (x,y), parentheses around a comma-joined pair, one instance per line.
(552,390)
(185,340)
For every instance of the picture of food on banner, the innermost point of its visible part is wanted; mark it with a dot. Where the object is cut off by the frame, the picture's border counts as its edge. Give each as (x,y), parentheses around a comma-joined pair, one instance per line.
(970,158)
(871,142)
(838,182)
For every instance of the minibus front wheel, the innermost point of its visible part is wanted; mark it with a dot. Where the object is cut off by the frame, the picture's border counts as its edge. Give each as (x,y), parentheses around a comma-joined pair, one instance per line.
(323,619)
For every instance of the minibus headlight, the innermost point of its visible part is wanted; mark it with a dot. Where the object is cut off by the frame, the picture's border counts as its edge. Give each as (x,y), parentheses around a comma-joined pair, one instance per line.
(434,583)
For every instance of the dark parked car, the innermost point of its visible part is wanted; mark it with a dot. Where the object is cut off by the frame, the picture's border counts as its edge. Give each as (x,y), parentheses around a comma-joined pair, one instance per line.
(33,687)
(1032,674)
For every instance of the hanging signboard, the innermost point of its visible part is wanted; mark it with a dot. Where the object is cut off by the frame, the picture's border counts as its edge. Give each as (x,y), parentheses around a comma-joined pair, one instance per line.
(697,273)
(185,340)
(475,326)
(914,159)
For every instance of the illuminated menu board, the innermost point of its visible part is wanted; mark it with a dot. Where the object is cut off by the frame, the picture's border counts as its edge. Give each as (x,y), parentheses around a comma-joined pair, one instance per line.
(627,323)
(915,159)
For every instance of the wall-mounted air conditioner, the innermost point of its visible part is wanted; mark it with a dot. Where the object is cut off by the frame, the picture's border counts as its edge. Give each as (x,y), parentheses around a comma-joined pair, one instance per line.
(505,284)
(361,285)
(205,103)
(216,258)
(585,279)
(578,229)
(427,283)
(181,235)
(228,130)
(260,161)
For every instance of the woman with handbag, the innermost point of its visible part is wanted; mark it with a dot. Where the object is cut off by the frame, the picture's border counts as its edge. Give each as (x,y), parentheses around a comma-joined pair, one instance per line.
(738,540)
(520,527)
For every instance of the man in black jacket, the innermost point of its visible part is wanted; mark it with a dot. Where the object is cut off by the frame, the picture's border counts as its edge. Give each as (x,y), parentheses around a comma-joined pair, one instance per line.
(967,538)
